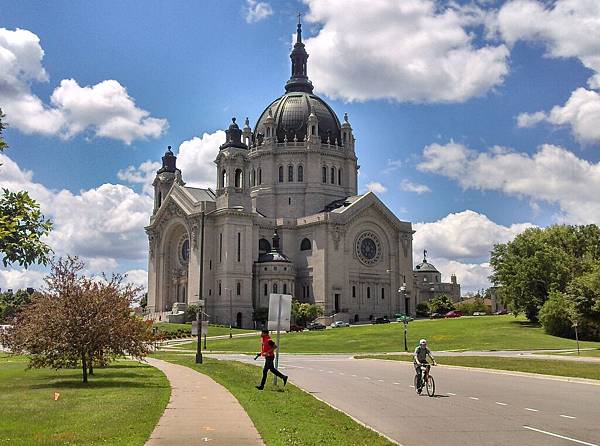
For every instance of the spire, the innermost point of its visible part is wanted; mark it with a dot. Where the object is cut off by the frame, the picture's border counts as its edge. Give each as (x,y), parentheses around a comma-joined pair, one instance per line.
(168,162)
(233,137)
(299,79)
(275,241)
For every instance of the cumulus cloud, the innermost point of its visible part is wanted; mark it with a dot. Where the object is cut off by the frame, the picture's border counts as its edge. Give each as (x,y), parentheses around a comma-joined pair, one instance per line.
(409,186)
(256,11)
(581,113)
(552,175)
(17,279)
(143,174)
(101,223)
(471,276)
(104,109)
(196,159)
(413,50)
(376,187)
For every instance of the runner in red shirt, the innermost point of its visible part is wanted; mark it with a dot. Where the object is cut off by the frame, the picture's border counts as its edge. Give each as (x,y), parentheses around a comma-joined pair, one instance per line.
(268,348)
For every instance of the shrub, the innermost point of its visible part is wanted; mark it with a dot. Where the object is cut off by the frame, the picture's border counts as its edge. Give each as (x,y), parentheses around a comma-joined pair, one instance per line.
(422,309)
(554,316)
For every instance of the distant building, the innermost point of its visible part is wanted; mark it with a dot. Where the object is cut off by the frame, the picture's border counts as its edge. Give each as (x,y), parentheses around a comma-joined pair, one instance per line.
(427,283)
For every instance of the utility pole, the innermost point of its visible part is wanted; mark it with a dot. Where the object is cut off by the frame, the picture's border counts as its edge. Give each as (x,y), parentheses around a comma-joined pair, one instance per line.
(200,297)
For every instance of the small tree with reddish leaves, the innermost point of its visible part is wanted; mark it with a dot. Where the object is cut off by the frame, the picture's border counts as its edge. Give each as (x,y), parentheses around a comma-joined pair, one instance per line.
(80,321)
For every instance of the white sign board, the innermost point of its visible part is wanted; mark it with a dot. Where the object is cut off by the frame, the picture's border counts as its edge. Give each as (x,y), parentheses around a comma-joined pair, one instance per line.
(280,308)
(203,330)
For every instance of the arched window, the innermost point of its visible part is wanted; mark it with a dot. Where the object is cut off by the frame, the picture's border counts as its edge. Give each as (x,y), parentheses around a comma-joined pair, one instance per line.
(290,173)
(266,290)
(339,177)
(224,178)
(285,288)
(239,178)
(239,289)
(300,174)
(253,177)
(281,174)
(383,293)
(259,175)
(159,198)
(313,130)
(324,174)
(268,131)
(274,288)
(333,175)
(263,246)
(305,245)
(353,291)
(368,292)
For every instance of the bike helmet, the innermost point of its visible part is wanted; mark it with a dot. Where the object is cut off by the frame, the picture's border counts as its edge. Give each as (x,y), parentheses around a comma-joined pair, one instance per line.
(423,342)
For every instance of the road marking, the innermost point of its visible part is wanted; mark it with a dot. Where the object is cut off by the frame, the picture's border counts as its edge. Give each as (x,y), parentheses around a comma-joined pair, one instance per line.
(412,386)
(560,436)
(321,370)
(380,380)
(366,377)
(342,373)
(531,410)
(397,384)
(473,398)
(501,404)
(450,393)
(354,376)
(568,416)
(330,371)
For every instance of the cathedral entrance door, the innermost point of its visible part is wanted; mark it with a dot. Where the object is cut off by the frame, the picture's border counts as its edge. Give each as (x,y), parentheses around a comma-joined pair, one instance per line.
(337,303)
(239,320)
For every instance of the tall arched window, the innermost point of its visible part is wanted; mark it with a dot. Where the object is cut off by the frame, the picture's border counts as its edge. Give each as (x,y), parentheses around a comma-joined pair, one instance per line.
(285,288)
(223,178)
(305,245)
(300,174)
(290,173)
(339,177)
(239,178)
(324,174)
(238,290)
(253,177)
(274,288)
(333,175)
(259,175)
(281,174)
(266,290)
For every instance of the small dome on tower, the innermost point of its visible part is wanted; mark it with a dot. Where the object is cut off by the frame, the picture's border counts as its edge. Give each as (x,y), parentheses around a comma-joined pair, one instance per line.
(233,137)
(169,162)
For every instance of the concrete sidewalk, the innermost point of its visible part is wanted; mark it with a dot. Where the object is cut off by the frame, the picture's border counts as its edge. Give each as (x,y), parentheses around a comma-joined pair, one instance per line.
(200,410)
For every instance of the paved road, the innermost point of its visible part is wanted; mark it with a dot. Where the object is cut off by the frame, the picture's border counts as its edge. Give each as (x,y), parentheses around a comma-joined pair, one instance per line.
(472,407)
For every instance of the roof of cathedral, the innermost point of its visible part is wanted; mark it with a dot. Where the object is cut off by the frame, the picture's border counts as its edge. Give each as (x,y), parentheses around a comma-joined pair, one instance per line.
(291,111)
(275,255)
(201,194)
(425,266)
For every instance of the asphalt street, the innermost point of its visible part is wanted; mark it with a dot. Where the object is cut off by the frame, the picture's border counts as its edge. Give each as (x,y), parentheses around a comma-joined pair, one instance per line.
(471,406)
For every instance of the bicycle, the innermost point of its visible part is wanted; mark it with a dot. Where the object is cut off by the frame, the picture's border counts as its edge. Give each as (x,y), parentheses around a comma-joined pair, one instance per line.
(426,380)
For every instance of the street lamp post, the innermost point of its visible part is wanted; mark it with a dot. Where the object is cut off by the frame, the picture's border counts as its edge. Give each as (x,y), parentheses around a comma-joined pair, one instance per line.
(200,294)
(405,321)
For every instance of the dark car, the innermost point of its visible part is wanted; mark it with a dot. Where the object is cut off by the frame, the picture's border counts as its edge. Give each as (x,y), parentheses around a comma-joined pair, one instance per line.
(454,313)
(381,320)
(436,316)
(501,312)
(296,328)
(316,326)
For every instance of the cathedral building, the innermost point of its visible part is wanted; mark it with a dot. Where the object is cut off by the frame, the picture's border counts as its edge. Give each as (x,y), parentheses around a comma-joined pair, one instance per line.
(285,217)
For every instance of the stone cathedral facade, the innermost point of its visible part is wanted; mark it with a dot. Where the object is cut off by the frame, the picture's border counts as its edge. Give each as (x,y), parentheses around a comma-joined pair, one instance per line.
(285,217)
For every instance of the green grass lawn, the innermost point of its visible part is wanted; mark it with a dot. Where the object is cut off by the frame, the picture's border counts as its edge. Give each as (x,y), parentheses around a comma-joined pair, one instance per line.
(283,418)
(213,330)
(586,353)
(474,333)
(120,405)
(543,366)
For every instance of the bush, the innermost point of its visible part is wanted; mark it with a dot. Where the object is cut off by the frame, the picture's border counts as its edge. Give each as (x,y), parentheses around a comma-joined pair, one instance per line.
(191,312)
(422,309)
(441,304)
(554,316)
(471,307)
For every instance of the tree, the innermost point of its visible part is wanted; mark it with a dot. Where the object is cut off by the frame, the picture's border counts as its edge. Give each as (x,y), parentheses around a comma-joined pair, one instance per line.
(22,225)
(441,304)
(305,312)
(539,261)
(10,304)
(81,321)
(260,315)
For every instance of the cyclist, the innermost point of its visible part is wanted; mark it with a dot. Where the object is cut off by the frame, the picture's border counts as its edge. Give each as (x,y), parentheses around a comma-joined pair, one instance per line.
(420,360)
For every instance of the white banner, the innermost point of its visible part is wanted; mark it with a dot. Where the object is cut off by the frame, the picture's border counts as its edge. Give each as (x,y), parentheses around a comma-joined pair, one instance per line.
(203,330)
(280,308)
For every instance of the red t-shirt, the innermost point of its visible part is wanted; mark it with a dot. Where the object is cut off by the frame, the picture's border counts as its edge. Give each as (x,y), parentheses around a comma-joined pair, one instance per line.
(265,348)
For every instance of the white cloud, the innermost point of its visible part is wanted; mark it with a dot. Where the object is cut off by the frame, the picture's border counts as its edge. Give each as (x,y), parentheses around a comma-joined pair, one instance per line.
(552,175)
(409,186)
(410,50)
(138,277)
(105,109)
(104,222)
(257,11)
(471,276)
(463,235)
(17,279)
(581,112)
(196,159)
(392,166)
(144,174)
(376,187)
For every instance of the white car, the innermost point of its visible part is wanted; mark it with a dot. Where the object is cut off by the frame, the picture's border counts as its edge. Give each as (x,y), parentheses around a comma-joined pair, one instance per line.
(479,313)
(339,324)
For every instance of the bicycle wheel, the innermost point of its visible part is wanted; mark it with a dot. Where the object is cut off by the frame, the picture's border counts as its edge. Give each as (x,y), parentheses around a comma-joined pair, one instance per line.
(416,382)
(430,384)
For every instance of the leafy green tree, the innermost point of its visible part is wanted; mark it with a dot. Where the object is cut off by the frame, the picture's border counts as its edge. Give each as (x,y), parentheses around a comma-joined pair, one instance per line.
(191,312)
(303,313)
(22,225)
(441,304)
(260,315)
(10,304)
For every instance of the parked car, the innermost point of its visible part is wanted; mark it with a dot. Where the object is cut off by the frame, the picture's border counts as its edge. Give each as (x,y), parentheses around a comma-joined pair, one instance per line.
(380,320)
(296,328)
(501,312)
(454,313)
(316,326)
(479,313)
(403,318)
(339,324)
(436,316)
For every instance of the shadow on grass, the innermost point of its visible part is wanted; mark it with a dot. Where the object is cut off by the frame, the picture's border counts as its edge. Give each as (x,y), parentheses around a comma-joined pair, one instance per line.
(527,324)
(92,384)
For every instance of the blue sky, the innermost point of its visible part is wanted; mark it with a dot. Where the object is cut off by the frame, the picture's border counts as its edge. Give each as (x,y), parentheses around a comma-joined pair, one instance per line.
(473,120)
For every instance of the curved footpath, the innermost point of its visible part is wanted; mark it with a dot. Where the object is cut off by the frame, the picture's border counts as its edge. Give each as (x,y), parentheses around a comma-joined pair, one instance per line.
(200,410)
